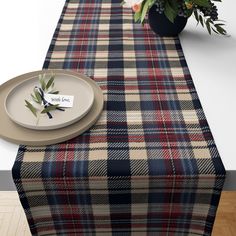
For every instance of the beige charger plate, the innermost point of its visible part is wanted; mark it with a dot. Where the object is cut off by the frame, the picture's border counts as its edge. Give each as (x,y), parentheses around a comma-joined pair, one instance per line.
(20,135)
(67,85)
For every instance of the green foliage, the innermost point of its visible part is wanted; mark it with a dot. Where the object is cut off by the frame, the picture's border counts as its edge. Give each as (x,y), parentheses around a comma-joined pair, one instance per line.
(122,3)
(171,12)
(49,108)
(31,108)
(215,26)
(201,3)
(146,5)
(144,11)
(37,96)
(47,86)
(54,92)
(50,82)
(42,82)
(137,16)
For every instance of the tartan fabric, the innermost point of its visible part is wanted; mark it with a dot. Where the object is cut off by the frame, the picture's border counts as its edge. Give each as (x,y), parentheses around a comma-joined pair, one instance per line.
(150,165)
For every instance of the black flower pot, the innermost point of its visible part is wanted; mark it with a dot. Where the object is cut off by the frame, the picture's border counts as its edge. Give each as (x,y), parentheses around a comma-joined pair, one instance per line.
(162,26)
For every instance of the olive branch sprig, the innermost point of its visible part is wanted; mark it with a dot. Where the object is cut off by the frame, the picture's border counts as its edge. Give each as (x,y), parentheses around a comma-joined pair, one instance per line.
(216,26)
(47,86)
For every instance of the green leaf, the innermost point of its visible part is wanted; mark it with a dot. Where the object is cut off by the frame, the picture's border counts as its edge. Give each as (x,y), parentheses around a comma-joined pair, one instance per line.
(220,24)
(31,107)
(50,82)
(220,29)
(202,3)
(201,20)
(151,2)
(33,97)
(137,16)
(208,25)
(174,4)
(144,10)
(196,15)
(189,12)
(122,3)
(54,92)
(37,95)
(49,108)
(43,84)
(170,12)
(215,31)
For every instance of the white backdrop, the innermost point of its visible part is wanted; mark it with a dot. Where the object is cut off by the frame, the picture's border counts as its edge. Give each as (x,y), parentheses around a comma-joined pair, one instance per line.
(27,26)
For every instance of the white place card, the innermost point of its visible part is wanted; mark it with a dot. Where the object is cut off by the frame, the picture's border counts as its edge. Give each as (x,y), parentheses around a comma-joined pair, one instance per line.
(62,100)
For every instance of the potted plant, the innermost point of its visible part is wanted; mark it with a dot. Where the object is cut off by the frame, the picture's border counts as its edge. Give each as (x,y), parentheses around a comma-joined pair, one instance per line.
(169,17)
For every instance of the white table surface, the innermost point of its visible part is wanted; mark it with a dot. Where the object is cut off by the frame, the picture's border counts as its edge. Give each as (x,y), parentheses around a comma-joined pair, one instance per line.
(27,27)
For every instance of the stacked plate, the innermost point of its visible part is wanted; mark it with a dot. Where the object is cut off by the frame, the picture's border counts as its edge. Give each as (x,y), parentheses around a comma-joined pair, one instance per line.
(19,125)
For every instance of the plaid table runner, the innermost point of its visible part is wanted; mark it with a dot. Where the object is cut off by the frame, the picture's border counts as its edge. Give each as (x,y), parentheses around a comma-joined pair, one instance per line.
(150,165)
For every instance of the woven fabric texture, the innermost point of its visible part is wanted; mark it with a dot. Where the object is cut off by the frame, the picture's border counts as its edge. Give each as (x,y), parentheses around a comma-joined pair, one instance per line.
(150,165)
